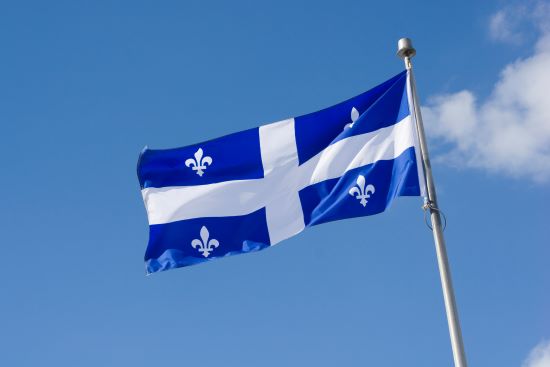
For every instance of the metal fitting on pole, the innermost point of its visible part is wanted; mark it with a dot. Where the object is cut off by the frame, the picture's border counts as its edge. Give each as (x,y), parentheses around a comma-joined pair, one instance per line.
(405,50)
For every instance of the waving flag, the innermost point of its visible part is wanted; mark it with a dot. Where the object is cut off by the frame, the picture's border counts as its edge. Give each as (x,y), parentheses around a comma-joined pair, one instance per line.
(250,190)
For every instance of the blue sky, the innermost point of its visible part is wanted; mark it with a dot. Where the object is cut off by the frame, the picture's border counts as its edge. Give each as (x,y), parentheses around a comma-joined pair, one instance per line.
(85,85)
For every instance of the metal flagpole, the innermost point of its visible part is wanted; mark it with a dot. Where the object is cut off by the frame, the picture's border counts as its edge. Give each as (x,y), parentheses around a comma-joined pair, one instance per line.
(406,51)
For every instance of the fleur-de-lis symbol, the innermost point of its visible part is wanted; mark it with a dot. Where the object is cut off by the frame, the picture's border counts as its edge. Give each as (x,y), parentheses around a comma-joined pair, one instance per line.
(354,116)
(361,192)
(205,246)
(199,163)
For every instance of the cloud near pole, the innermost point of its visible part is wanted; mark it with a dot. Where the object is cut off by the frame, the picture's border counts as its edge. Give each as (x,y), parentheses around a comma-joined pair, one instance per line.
(508,132)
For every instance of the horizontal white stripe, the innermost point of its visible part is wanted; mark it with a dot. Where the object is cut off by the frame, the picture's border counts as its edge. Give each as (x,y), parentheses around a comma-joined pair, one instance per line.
(360,150)
(222,199)
(232,198)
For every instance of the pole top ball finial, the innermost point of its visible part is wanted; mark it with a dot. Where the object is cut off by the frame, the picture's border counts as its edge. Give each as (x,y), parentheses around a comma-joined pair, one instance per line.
(405,48)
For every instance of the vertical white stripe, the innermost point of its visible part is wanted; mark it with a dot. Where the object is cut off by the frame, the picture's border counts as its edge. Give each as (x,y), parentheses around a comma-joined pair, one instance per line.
(280,161)
(278,146)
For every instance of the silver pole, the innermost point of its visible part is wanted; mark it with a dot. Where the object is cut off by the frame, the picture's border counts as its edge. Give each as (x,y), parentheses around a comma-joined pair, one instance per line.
(406,51)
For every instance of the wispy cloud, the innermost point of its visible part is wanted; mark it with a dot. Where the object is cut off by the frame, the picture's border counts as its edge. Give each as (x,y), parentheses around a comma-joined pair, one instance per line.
(513,23)
(539,356)
(504,25)
(508,132)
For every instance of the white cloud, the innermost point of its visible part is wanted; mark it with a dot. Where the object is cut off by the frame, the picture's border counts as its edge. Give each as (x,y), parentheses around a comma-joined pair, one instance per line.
(504,24)
(513,23)
(509,132)
(539,356)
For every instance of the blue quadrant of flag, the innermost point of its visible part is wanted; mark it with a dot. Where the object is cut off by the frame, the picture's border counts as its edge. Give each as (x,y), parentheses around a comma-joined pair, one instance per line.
(252,189)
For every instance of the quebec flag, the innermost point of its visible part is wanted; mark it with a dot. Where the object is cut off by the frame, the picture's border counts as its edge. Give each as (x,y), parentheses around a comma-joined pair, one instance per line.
(252,189)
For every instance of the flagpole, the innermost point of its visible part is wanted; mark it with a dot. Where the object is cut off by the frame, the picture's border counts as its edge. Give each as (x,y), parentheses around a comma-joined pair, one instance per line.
(406,51)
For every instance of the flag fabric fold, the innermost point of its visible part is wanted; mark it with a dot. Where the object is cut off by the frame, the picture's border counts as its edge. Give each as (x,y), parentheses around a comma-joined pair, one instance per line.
(250,190)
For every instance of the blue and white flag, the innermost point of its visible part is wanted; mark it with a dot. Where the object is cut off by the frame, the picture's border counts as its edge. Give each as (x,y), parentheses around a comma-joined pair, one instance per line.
(250,190)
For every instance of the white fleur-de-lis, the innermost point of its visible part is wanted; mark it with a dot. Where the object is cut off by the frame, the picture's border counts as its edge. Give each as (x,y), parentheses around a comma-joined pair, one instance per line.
(354,116)
(205,246)
(361,192)
(199,163)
